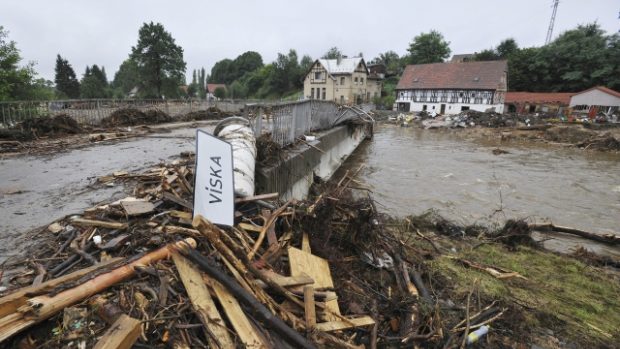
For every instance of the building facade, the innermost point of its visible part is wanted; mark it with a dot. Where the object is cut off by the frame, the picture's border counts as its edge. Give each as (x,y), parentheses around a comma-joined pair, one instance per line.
(596,100)
(536,102)
(449,88)
(345,81)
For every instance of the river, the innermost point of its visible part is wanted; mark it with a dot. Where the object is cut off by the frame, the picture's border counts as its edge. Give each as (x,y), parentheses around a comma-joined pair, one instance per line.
(411,170)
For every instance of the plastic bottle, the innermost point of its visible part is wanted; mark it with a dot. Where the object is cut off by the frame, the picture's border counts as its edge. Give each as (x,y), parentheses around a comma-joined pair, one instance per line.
(477,334)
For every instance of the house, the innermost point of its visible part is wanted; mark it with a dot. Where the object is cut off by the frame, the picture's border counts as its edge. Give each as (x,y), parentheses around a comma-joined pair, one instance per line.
(595,100)
(536,102)
(211,90)
(449,88)
(465,57)
(344,80)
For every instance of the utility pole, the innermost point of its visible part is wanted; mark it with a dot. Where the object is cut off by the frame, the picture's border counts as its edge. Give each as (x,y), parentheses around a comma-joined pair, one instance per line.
(552,22)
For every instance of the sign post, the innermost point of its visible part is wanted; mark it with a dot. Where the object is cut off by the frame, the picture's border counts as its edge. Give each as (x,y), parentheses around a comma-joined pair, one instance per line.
(214,196)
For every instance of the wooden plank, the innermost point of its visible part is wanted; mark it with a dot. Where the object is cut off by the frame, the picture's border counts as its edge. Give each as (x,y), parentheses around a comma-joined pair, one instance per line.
(250,227)
(122,334)
(137,207)
(342,325)
(240,322)
(315,267)
(269,196)
(309,308)
(203,303)
(305,243)
(287,281)
(180,214)
(101,224)
(178,200)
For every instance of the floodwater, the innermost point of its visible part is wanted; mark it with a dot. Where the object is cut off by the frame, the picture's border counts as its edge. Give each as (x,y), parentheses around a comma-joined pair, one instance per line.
(36,190)
(411,170)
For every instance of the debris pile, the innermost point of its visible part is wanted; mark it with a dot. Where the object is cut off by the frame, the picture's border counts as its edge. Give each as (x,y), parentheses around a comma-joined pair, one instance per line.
(132,117)
(326,272)
(211,113)
(58,125)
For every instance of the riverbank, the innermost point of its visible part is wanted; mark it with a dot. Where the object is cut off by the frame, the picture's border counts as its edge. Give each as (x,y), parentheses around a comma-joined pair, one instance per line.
(418,278)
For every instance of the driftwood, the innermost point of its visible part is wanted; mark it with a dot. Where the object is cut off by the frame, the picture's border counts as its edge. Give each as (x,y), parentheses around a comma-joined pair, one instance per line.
(611,238)
(42,307)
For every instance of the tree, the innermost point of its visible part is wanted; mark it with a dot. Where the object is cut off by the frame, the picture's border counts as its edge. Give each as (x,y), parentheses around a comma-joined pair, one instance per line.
(286,74)
(428,48)
(220,92)
(222,72)
(486,55)
(305,64)
(507,48)
(333,53)
(202,84)
(247,62)
(391,61)
(127,77)
(65,79)
(94,83)
(15,82)
(161,67)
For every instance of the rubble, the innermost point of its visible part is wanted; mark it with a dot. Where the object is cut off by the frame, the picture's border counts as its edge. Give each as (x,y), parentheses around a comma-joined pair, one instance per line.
(330,271)
(29,129)
(132,117)
(211,113)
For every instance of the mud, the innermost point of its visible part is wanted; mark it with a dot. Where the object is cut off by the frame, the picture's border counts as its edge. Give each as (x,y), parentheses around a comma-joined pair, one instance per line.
(131,117)
(35,190)
(411,170)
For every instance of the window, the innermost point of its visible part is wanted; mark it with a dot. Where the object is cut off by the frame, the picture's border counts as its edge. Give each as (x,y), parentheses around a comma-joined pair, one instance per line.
(342,80)
(464,108)
(424,107)
(312,93)
(324,91)
(355,80)
(318,93)
(361,81)
(317,75)
(341,99)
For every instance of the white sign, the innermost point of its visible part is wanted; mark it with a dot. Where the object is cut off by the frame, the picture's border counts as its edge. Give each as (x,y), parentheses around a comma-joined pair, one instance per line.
(214,196)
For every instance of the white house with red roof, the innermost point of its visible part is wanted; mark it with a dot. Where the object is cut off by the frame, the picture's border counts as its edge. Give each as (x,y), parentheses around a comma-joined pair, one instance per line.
(595,100)
(449,88)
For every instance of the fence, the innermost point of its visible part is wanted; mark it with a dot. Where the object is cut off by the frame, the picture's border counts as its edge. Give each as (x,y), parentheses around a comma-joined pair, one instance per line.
(92,111)
(288,121)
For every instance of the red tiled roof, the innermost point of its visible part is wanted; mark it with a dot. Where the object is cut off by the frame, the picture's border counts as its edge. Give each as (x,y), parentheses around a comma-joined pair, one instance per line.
(211,87)
(603,89)
(539,97)
(465,75)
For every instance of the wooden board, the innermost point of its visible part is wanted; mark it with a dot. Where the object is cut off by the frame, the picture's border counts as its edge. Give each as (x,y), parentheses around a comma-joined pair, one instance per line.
(315,267)
(203,303)
(137,207)
(122,334)
(236,316)
(287,281)
(342,325)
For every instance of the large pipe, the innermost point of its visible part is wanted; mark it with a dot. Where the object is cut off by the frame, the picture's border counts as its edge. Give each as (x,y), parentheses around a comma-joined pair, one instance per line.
(238,132)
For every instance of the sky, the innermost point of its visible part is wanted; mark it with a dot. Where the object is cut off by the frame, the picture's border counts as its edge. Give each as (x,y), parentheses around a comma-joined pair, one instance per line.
(88,32)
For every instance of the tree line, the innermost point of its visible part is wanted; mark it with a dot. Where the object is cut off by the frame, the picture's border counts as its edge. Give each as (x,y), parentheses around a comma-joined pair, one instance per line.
(576,60)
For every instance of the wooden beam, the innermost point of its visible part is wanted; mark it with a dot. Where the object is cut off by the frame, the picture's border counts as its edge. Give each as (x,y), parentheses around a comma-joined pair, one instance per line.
(287,281)
(216,331)
(122,334)
(240,322)
(342,325)
(309,308)
(305,243)
(101,224)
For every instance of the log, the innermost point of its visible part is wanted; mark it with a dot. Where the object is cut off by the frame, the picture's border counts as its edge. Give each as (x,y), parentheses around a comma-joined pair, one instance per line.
(611,238)
(11,302)
(257,309)
(122,334)
(42,307)
(100,224)
(215,328)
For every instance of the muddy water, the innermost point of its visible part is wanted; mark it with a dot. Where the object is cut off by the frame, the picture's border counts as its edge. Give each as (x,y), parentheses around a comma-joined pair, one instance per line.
(412,170)
(37,190)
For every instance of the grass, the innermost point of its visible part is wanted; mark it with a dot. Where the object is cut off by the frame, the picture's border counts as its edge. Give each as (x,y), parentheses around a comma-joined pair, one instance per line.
(573,299)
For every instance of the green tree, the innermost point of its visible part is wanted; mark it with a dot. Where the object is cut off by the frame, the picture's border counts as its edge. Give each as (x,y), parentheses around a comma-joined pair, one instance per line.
(486,55)
(220,92)
(222,72)
(428,48)
(93,84)
(202,84)
(247,62)
(333,53)
(67,83)
(161,67)
(391,61)
(238,90)
(286,74)
(507,48)
(127,77)
(15,81)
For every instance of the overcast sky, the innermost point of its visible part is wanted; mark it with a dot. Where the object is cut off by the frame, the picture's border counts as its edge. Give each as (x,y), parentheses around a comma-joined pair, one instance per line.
(103,32)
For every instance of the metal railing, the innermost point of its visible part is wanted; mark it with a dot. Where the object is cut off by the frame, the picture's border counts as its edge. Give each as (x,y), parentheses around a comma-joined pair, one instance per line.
(92,111)
(286,122)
